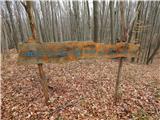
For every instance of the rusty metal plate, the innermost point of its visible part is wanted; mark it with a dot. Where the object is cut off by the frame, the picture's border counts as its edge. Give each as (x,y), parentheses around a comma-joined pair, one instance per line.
(35,53)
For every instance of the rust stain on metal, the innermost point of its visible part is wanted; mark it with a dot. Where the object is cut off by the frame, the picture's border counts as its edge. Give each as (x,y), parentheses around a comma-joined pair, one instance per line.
(35,53)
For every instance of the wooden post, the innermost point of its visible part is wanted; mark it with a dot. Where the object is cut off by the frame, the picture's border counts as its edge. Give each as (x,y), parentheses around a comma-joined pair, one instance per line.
(43,80)
(117,95)
(123,38)
(44,83)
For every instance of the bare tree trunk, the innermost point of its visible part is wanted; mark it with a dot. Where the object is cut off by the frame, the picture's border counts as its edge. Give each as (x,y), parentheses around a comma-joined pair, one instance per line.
(43,80)
(111,5)
(155,13)
(60,23)
(31,20)
(154,52)
(39,25)
(53,26)
(123,37)
(117,21)
(15,37)
(76,18)
(123,23)
(96,21)
(19,21)
(117,87)
(133,20)
(89,21)
(101,34)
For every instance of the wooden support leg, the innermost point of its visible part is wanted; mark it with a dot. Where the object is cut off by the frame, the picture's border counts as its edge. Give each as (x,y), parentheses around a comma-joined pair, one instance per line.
(44,83)
(116,96)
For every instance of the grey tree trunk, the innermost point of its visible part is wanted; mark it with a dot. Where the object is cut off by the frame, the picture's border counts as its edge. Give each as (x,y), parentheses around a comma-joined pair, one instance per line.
(111,5)
(15,37)
(96,21)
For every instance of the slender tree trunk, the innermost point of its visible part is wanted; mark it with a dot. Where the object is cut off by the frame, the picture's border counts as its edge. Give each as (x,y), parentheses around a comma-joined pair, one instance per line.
(132,23)
(43,80)
(117,21)
(154,53)
(123,37)
(102,20)
(123,23)
(89,21)
(96,21)
(15,37)
(117,87)
(111,5)
(53,26)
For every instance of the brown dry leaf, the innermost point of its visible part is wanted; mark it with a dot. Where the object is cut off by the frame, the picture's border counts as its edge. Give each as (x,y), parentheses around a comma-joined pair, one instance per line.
(94,80)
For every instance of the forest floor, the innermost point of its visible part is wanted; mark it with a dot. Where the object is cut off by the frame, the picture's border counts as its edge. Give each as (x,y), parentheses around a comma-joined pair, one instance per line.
(82,90)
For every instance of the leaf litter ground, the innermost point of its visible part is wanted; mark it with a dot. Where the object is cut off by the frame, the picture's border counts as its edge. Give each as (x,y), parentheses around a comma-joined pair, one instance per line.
(82,90)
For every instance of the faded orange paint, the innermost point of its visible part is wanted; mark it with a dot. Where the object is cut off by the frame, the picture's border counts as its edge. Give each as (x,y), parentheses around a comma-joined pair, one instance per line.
(33,52)
(45,58)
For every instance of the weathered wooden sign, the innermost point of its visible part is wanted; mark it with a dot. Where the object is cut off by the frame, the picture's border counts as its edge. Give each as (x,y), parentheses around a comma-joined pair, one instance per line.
(35,53)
